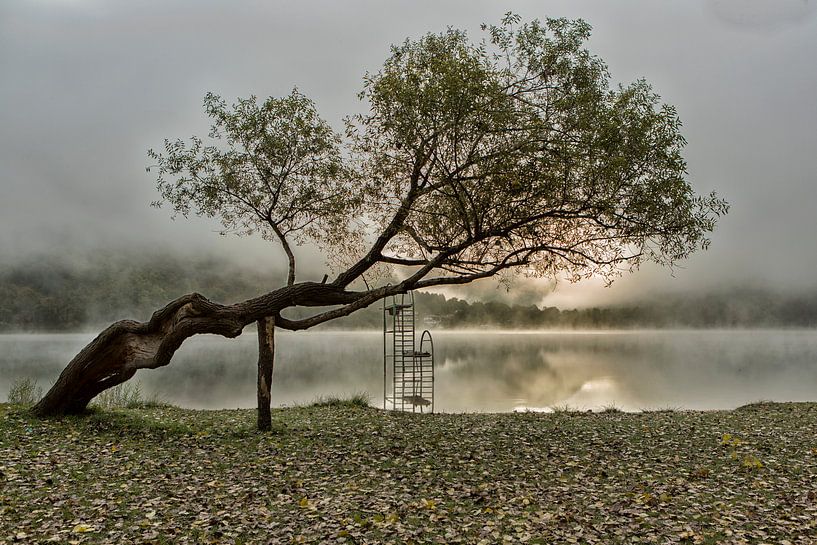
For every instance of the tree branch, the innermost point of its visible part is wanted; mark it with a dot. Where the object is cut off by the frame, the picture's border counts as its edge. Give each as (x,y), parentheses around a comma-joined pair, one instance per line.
(287,249)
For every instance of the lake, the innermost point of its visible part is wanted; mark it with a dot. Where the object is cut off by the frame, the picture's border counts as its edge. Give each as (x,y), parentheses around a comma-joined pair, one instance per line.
(476,370)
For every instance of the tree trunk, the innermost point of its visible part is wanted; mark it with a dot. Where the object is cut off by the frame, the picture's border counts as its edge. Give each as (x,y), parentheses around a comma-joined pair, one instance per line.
(266,361)
(119,351)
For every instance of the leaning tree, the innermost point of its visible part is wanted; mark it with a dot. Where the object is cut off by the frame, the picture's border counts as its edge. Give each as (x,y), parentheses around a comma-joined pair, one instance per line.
(510,156)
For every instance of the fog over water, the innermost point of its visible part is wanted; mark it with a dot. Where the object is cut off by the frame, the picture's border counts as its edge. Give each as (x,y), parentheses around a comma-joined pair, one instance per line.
(476,371)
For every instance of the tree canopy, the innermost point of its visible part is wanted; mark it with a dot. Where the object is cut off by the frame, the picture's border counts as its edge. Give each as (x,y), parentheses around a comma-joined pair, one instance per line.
(514,153)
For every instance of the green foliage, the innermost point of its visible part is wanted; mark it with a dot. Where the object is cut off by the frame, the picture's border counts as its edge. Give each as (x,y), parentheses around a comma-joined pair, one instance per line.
(24,391)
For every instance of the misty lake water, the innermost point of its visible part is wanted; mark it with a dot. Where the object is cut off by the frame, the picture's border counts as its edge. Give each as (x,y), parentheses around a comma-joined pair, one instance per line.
(476,371)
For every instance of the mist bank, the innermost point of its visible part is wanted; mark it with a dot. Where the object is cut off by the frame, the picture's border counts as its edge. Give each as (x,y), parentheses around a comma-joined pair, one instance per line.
(53,295)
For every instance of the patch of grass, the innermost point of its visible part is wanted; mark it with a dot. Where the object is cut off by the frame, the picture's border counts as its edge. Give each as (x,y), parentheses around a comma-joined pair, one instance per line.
(359,400)
(24,391)
(758,405)
(133,423)
(565,409)
(661,410)
(610,409)
(126,396)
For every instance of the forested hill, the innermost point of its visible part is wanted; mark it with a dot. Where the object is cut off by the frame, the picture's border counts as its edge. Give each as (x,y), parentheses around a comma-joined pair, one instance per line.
(49,295)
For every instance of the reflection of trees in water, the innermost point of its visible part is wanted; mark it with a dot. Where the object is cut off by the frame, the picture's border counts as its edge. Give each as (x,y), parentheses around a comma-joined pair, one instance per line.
(495,375)
(635,370)
(498,372)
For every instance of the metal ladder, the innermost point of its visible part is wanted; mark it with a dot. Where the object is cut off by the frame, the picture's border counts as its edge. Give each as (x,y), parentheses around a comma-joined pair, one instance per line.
(411,370)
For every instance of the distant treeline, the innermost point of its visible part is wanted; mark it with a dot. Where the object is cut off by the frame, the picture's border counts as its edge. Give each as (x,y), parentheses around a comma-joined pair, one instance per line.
(63,295)
(48,295)
(742,308)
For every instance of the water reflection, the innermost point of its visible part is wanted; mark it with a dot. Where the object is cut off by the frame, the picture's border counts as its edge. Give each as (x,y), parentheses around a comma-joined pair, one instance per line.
(476,371)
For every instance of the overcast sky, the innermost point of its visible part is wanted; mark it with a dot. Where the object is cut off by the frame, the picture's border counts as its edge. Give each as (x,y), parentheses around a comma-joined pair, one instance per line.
(87,86)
